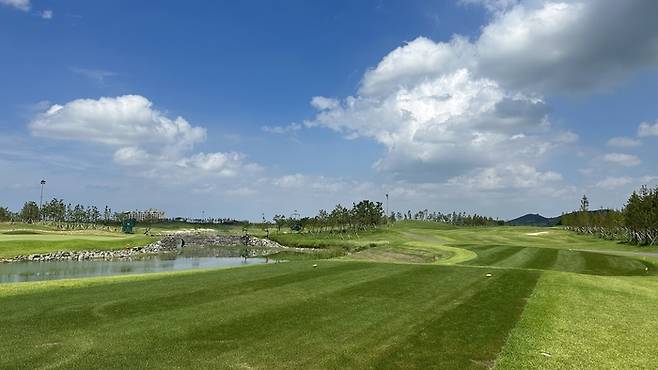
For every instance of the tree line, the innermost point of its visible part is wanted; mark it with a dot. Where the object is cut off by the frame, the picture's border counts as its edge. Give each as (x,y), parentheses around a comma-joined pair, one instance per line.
(367,215)
(636,223)
(362,216)
(454,218)
(63,215)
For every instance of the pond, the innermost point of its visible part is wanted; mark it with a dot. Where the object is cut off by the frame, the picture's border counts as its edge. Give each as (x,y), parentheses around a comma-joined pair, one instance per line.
(35,271)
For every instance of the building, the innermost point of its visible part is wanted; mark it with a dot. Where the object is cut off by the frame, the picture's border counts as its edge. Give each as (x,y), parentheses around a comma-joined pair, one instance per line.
(150,214)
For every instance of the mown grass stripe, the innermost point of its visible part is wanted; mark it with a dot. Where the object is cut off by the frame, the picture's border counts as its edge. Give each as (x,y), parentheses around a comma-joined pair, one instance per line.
(469,335)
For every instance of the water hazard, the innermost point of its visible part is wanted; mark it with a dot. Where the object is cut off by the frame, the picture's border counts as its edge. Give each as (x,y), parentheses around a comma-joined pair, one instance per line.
(35,271)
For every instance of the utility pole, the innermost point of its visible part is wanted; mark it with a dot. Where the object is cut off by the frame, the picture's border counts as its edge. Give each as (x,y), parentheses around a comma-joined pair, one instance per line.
(387,215)
(43,182)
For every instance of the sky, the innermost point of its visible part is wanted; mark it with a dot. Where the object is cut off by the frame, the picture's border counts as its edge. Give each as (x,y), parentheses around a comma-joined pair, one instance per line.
(254,108)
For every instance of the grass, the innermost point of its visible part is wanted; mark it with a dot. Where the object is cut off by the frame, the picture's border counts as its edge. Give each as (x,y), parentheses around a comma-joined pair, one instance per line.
(586,322)
(547,304)
(346,314)
(25,239)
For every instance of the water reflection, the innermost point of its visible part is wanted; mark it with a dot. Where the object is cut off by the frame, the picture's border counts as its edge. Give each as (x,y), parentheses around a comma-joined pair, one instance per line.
(33,271)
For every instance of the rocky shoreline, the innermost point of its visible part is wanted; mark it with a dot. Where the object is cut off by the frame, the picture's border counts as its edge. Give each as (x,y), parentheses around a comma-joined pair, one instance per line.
(170,244)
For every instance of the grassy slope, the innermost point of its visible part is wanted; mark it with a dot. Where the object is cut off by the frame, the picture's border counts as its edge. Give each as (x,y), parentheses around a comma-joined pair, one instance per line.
(356,314)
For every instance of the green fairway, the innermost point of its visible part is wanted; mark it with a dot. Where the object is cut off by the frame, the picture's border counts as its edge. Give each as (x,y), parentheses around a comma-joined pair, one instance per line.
(545,304)
(277,316)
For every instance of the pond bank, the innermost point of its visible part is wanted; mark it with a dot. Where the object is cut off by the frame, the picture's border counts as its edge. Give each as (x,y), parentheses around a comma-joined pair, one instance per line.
(173,243)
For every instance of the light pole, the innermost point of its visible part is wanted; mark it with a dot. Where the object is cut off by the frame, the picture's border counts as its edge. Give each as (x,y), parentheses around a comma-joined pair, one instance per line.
(43,182)
(387,208)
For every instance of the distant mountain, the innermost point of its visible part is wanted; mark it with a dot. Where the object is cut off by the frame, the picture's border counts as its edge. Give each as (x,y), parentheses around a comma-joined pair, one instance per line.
(533,220)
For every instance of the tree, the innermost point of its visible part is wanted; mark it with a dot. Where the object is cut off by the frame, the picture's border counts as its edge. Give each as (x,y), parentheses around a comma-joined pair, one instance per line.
(583,216)
(30,212)
(5,214)
(280,221)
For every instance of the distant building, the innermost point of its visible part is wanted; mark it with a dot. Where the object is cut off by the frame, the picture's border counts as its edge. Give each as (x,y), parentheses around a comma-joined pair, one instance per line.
(150,214)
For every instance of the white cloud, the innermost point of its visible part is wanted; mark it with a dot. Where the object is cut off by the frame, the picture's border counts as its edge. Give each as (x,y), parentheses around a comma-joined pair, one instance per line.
(567,137)
(147,140)
(492,5)
(445,126)
(537,46)
(511,176)
(443,109)
(647,129)
(312,183)
(567,46)
(23,5)
(610,183)
(624,142)
(131,156)
(289,129)
(47,14)
(626,160)
(123,121)
(322,103)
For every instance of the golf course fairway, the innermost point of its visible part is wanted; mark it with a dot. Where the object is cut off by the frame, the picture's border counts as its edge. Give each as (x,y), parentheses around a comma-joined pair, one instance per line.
(505,304)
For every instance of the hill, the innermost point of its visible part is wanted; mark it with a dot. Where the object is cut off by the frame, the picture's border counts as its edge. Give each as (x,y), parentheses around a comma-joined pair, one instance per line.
(533,220)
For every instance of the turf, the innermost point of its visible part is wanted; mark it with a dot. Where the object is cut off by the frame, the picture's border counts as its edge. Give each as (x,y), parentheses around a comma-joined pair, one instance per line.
(346,314)
(561,260)
(586,322)
(14,245)
(547,304)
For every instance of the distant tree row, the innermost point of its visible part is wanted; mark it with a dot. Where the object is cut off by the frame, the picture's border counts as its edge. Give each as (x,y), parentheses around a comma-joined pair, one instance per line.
(637,223)
(63,215)
(454,218)
(362,216)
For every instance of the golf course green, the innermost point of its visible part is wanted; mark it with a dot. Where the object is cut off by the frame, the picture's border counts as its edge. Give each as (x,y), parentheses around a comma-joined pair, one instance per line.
(411,295)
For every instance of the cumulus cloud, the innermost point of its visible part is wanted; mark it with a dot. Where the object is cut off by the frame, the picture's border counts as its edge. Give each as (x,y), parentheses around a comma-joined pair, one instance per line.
(145,138)
(624,142)
(123,120)
(569,46)
(23,5)
(610,183)
(537,46)
(647,129)
(322,103)
(445,109)
(47,14)
(626,160)
(445,126)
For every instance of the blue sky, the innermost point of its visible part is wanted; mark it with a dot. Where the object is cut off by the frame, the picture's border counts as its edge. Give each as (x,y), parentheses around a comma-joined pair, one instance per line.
(498,107)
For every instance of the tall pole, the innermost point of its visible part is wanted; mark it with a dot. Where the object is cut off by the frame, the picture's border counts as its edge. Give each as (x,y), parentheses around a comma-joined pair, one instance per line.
(43,182)
(387,215)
